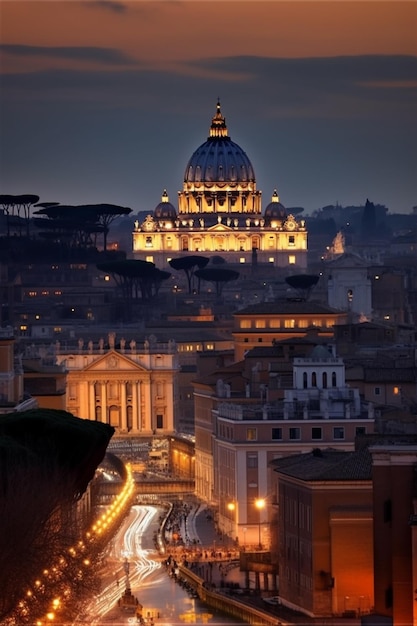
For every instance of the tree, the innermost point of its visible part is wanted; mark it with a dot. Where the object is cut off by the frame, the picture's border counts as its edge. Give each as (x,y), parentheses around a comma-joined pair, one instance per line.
(47,459)
(135,278)
(84,219)
(217,275)
(14,205)
(303,284)
(189,265)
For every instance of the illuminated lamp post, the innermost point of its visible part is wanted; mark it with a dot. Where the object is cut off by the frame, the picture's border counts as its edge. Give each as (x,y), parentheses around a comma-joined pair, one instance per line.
(231,506)
(260,505)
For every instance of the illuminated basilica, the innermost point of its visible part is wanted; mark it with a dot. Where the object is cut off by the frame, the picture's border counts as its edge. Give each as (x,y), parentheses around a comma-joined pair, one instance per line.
(219,213)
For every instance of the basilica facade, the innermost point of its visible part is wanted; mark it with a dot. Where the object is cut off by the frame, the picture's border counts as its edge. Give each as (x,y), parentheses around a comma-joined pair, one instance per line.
(220,213)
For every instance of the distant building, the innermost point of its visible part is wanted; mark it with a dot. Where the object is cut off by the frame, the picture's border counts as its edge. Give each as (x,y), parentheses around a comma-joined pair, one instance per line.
(131,387)
(349,285)
(267,322)
(219,213)
(13,398)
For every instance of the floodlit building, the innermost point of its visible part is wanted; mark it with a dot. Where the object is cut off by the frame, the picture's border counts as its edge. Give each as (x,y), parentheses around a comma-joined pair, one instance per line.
(132,387)
(220,213)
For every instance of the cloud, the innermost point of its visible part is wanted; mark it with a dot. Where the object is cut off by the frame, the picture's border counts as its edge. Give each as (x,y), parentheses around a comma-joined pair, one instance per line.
(79,53)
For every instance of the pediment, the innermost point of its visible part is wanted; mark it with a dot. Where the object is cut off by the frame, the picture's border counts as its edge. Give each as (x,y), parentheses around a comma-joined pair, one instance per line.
(113,361)
(220,228)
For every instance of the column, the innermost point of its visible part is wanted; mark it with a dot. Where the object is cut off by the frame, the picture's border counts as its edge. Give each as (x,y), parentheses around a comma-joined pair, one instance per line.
(104,409)
(136,425)
(122,383)
(91,400)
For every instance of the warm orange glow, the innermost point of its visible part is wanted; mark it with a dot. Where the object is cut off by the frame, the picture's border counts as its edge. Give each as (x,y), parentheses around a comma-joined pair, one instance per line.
(260,503)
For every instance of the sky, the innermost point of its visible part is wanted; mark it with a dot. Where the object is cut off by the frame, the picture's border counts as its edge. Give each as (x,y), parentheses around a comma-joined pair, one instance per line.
(106,100)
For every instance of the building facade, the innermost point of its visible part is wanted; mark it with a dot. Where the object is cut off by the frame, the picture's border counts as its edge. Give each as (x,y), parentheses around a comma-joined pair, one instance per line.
(220,213)
(133,388)
(241,426)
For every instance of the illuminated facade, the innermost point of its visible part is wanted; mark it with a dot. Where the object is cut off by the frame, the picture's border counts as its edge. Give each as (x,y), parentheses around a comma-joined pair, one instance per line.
(133,388)
(219,213)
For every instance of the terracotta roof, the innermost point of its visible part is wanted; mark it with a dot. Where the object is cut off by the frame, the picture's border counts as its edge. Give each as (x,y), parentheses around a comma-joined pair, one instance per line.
(326,465)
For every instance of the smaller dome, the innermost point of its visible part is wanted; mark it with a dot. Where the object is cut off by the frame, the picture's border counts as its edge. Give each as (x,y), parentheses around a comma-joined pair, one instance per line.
(275,210)
(165,210)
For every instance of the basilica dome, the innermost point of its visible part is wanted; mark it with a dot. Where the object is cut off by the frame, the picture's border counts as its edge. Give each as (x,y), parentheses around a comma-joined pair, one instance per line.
(165,210)
(219,160)
(275,210)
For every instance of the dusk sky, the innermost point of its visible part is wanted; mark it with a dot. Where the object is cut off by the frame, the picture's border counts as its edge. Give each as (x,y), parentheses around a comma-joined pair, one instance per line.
(105,101)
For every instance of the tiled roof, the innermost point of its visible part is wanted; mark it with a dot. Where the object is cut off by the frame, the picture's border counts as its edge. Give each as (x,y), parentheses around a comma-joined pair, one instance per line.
(327,465)
(390,374)
(283,307)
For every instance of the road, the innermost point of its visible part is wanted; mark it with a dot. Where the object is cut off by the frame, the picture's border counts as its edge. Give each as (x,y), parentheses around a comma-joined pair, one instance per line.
(133,561)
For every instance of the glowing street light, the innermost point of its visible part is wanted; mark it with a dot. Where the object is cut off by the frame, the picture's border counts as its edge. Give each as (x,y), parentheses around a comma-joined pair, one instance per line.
(260,505)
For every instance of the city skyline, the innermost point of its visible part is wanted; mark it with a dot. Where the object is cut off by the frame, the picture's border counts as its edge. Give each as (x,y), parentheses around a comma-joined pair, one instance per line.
(105,101)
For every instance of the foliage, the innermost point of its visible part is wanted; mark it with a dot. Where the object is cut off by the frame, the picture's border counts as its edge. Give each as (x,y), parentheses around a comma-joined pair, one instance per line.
(217,275)
(135,279)
(47,459)
(80,221)
(189,265)
(303,284)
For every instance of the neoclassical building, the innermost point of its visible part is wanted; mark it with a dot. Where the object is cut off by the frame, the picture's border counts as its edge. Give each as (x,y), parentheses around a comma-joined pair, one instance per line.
(220,213)
(132,387)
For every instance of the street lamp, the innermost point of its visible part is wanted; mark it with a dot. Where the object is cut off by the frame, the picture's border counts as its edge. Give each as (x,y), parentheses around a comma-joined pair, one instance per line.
(260,505)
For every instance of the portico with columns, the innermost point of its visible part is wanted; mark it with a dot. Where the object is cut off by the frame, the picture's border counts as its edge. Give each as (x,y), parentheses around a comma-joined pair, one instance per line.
(132,390)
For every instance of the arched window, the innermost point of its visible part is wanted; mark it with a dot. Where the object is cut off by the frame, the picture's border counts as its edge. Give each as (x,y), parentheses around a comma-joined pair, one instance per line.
(313,379)
(333,379)
(324,379)
(304,380)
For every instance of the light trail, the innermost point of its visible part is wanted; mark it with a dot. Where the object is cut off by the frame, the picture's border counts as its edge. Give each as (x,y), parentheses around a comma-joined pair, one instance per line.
(126,547)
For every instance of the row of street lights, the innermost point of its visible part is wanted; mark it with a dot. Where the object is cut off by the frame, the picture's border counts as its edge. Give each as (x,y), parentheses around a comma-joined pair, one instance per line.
(260,504)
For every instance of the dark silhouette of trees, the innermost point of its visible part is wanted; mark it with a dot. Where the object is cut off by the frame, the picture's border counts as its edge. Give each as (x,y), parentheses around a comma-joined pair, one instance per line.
(136,279)
(189,264)
(219,276)
(303,284)
(17,211)
(80,224)
(47,459)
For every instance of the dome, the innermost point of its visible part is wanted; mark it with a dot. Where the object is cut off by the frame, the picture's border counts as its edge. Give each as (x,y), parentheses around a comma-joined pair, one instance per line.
(165,210)
(219,159)
(275,210)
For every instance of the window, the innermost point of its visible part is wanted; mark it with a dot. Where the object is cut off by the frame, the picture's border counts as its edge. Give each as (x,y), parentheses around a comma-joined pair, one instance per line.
(295,433)
(313,379)
(338,432)
(148,242)
(396,391)
(277,433)
(260,324)
(159,421)
(302,323)
(274,323)
(377,391)
(271,259)
(305,380)
(333,379)
(360,430)
(291,240)
(316,433)
(291,259)
(245,323)
(324,380)
(242,260)
(149,259)
(289,323)
(251,434)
